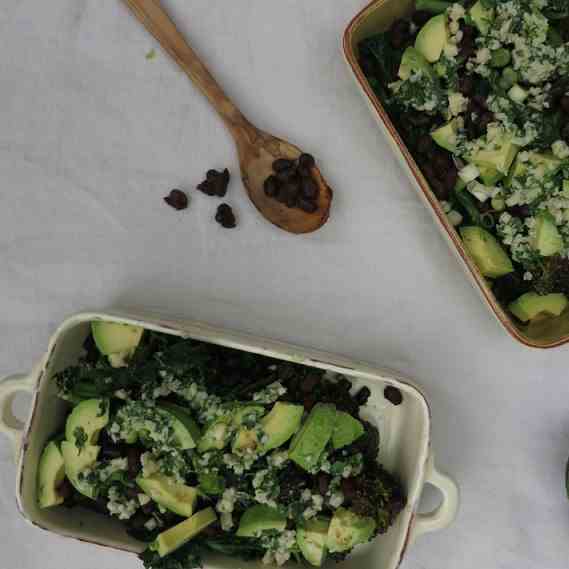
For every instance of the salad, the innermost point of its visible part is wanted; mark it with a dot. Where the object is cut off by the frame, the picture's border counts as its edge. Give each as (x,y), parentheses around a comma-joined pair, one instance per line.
(480,93)
(197,448)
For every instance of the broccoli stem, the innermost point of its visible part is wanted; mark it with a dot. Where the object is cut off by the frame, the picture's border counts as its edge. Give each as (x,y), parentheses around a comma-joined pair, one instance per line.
(433,6)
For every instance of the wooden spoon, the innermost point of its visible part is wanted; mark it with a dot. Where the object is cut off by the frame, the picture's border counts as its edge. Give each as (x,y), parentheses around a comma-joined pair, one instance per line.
(257,150)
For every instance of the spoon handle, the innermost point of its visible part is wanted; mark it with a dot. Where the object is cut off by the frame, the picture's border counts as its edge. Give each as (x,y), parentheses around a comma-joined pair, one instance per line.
(154,18)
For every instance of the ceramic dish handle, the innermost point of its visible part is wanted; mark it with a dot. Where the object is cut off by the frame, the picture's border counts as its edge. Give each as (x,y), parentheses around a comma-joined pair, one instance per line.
(447,510)
(9,424)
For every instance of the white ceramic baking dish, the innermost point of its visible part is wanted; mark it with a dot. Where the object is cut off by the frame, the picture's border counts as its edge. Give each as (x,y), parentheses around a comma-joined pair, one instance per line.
(405,438)
(377,17)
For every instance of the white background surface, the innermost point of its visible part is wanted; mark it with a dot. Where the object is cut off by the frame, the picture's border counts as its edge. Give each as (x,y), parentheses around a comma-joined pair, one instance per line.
(92,135)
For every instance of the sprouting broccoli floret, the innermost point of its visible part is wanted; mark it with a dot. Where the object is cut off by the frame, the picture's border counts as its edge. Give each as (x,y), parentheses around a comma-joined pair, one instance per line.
(378,494)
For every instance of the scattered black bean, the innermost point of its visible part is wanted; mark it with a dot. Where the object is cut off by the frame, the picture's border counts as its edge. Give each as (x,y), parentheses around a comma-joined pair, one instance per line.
(133,455)
(393,395)
(307,205)
(425,144)
(215,183)
(271,187)
(421,17)
(565,132)
(323,483)
(399,33)
(225,216)
(309,188)
(348,488)
(148,508)
(282,164)
(309,383)
(65,490)
(306,162)
(292,183)
(564,104)
(466,84)
(450,179)
(177,199)
(362,396)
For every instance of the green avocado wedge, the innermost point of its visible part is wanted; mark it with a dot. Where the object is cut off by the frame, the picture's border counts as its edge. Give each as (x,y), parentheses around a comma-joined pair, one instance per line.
(86,421)
(172,495)
(260,518)
(174,538)
(348,529)
(309,443)
(346,431)
(77,460)
(51,473)
(311,538)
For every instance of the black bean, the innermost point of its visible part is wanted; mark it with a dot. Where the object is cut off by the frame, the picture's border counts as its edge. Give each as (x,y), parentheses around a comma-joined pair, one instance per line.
(138,521)
(421,17)
(484,120)
(306,161)
(132,492)
(565,132)
(467,50)
(451,176)
(65,490)
(480,102)
(349,489)
(441,161)
(564,104)
(425,144)
(362,396)
(309,383)
(393,395)
(309,188)
(111,452)
(282,164)
(520,210)
(287,175)
(468,31)
(225,216)
(148,508)
(466,84)
(309,402)
(216,183)
(323,483)
(400,33)
(439,189)
(133,455)
(177,199)
(428,171)
(271,186)
(307,205)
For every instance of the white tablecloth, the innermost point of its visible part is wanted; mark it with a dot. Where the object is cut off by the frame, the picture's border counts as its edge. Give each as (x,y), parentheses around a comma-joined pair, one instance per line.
(93,135)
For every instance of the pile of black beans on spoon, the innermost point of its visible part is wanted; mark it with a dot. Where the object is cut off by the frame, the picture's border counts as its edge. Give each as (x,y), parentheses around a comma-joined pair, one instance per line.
(292,183)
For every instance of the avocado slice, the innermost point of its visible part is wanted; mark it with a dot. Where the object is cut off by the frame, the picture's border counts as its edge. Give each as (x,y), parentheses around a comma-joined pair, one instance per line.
(530,305)
(281,424)
(432,38)
(182,416)
(482,17)
(76,460)
(86,421)
(445,136)
(311,538)
(346,431)
(260,518)
(174,538)
(486,252)
(413,60)
(172,495)
(489,174)
(348,529)
(51,473)
(116,340)
(309,443)
(499,158)
(547,240)
(217,434)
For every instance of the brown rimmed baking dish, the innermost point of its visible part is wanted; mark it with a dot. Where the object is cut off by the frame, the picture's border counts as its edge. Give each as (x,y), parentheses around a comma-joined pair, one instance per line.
(376,17)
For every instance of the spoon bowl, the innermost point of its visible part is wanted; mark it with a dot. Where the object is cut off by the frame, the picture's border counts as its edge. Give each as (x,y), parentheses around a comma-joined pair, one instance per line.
(257,149)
